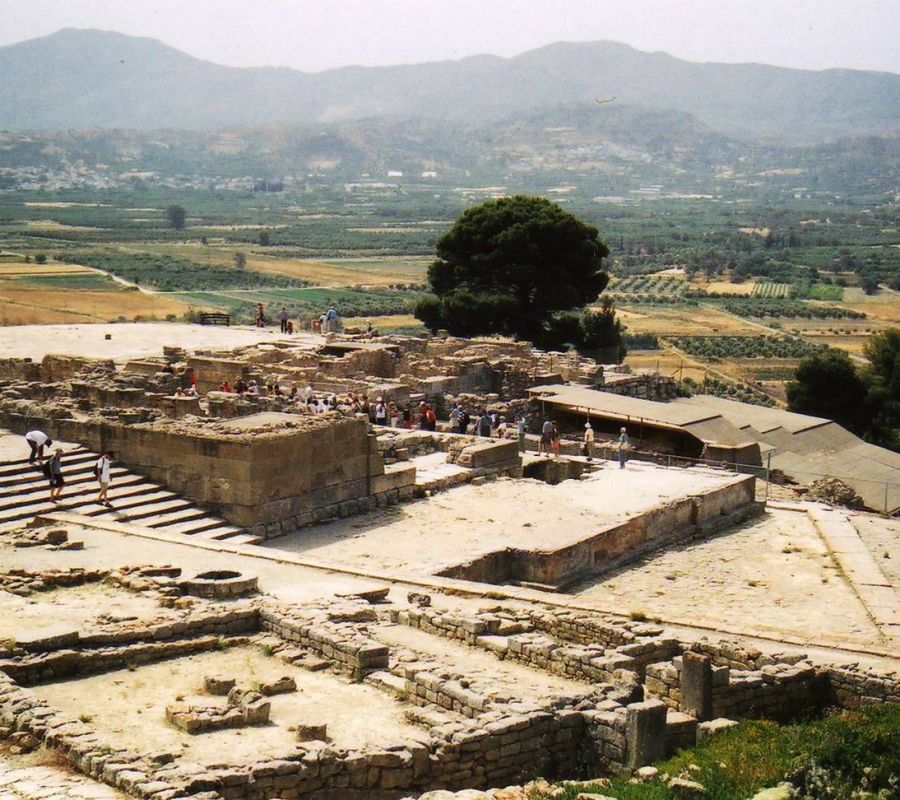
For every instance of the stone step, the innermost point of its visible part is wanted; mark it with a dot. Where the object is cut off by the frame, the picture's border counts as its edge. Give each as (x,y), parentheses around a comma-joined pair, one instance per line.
(24,490)
(214,530)
(8,468)
(125,502)
(71,500)
(39,484)
(157,509)
(173,517)
(14,499)
(243,538)
(70,464)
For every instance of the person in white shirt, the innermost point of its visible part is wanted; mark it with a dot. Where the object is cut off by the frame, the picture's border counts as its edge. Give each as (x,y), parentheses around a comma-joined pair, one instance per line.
(588,441)
(381,414)
(37,440)
(101,470)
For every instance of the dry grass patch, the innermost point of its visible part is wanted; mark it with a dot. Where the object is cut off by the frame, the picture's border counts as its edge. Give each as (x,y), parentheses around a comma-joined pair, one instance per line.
(684,320)
(22,269)
(386,323)
(48,306)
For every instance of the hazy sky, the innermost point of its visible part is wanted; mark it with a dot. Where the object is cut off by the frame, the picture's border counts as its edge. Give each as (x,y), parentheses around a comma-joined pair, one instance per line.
(317,34)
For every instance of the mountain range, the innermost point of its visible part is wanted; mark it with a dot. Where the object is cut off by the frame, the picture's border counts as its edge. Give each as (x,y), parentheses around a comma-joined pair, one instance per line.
(89,79)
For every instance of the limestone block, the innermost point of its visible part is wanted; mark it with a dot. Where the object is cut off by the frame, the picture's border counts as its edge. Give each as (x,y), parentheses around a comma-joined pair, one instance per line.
(706,730)
(218,684)
(283,685)
(309,732)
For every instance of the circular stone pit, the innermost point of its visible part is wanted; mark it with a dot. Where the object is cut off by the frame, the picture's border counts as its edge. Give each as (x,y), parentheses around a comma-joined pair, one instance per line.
(220,584)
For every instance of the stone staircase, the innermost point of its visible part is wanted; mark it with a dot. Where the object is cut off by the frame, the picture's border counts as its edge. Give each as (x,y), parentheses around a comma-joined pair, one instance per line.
(135,500)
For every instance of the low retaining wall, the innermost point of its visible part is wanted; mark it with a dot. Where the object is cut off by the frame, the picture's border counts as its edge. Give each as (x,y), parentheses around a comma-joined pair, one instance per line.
(615,544)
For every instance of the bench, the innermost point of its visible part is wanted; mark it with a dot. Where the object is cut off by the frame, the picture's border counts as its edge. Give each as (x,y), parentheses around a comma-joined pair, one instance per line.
(215,319)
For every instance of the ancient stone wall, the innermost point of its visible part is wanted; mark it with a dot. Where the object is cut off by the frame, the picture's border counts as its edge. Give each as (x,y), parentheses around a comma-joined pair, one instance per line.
(270,474)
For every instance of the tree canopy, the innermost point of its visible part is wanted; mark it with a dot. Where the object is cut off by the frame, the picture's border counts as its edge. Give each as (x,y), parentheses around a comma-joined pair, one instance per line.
(827,385)
(176,215)
(508,266)
(867,400)
(883,381)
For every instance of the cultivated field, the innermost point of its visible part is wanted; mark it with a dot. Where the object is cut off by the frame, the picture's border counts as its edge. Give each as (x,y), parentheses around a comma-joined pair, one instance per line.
(36,294)
(683,320)
(338,272)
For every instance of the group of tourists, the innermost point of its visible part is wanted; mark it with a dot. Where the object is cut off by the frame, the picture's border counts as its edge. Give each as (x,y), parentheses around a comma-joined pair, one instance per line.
(241,387)
(550,441)
(328,321)
(52,467)
(487,423)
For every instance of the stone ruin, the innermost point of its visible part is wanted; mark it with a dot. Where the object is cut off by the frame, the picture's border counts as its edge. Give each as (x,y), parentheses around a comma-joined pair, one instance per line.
(635,693)
(603,693)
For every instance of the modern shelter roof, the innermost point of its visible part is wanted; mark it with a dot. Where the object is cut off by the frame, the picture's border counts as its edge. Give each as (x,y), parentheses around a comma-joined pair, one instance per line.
(705,425)
(806,448)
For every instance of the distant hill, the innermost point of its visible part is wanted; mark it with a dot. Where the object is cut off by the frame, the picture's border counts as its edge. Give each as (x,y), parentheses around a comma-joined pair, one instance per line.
(95,79)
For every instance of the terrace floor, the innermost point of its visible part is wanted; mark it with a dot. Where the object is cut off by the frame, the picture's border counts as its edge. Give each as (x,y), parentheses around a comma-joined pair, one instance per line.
(132,339)
(132,713)
(423,537)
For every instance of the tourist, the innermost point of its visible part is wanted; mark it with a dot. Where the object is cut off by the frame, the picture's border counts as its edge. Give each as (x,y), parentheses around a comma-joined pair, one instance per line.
(546,437)
(226,387)
(192,380)
(179,392)
(485,423)
(407,418)
(622,444)
(394,414)
(191,391)
(588,448)
(260,316)
(454,418)
(101,471)
(430,419)
(240,385)
(252,389)
(283,316)
(555,441)
(364,406)
(331,319)
(421,415)
(464,420)
(381,415)
(521,426)
(55,474)
(37,441)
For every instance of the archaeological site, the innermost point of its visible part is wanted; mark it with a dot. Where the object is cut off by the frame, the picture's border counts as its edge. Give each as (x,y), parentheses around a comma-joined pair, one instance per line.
(363,566)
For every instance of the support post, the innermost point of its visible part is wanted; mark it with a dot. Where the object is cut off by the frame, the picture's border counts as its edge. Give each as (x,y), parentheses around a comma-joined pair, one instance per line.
(696,686)
(645,732)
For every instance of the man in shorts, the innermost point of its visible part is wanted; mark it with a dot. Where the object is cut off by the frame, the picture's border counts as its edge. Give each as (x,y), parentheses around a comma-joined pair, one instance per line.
(54,473)
(588,448)
(101,470)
